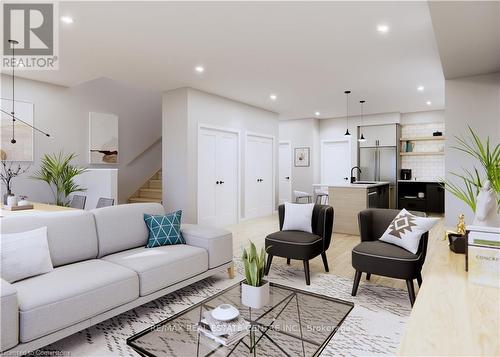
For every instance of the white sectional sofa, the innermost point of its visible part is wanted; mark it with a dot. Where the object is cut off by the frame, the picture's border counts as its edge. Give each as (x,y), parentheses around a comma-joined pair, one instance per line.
(101,269)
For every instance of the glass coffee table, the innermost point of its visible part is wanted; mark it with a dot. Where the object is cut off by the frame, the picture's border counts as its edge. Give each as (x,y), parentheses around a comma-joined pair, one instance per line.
(293,323)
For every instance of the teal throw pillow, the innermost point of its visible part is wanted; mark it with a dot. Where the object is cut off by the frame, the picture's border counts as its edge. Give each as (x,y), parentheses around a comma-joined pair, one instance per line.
(164,229)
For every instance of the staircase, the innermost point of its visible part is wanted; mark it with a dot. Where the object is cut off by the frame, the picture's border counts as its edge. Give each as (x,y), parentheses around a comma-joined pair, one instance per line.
(151,191)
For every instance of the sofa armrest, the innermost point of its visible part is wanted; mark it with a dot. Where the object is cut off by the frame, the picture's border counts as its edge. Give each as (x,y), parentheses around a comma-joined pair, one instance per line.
(218,242)
(9,319)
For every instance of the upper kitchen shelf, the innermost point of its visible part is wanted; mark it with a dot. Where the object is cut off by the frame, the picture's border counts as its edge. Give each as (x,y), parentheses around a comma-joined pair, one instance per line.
(423,138)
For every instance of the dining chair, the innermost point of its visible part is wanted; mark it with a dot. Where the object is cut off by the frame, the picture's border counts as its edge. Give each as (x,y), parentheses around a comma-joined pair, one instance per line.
(105,202)
(78,201)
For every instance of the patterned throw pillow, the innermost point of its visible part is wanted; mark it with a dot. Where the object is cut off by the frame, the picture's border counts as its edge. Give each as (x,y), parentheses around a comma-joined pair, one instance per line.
(164,229)
(406,230)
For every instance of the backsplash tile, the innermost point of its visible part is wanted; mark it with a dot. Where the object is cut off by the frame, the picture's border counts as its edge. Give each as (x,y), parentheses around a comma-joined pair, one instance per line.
(428,167)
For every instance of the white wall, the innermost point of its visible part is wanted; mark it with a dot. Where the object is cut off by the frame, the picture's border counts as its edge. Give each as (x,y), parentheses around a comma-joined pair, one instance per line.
(63,112)
(473,101)
(303,133)
(183,111)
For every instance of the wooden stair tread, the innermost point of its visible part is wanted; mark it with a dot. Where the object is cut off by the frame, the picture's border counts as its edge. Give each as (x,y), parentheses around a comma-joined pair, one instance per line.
(144,199)
(151,190)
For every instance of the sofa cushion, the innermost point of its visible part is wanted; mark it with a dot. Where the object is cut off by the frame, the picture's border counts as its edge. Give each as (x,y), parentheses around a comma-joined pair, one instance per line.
(385,259)
(71,234)
(218,242)
(9,316)
(122,227)
(163,266)
(70,294)
(294,244)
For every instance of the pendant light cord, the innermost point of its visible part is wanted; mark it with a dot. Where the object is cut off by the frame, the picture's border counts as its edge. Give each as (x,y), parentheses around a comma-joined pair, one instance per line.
(13,81)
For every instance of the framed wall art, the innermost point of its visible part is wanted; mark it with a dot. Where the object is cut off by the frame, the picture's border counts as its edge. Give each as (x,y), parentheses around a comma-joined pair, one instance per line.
(302,157)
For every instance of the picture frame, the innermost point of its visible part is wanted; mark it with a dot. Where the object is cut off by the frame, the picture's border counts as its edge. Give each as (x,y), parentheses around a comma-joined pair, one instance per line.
(103,138)
(302,157)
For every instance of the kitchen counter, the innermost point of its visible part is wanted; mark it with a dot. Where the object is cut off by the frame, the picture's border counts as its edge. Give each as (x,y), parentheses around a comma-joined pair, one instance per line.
(421,181)
(353,185)
(349,199)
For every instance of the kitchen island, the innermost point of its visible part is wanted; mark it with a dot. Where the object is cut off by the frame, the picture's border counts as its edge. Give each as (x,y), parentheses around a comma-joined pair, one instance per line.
(348,199)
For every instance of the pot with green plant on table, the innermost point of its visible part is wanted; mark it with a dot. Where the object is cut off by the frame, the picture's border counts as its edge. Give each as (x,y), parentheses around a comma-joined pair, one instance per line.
(59,173)
(254,290)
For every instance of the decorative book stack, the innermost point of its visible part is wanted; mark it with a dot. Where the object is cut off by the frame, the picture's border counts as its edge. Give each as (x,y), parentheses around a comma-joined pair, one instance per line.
(223,332)
(483,255)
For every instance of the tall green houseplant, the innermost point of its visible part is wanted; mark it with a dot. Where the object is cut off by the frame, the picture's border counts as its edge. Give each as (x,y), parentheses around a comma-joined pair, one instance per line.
(58,172)
(472,180)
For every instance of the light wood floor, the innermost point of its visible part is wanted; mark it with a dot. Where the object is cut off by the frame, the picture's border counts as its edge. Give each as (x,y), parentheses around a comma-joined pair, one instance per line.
(339,253)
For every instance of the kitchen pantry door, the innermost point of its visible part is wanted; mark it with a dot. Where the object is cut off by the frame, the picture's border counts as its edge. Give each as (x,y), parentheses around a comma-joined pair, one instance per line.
(285,172)
(335,161)
(259,180)
(218,154)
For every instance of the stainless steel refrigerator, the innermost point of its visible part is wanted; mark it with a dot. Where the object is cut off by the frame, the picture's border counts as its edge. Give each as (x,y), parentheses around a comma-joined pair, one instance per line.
(378,158)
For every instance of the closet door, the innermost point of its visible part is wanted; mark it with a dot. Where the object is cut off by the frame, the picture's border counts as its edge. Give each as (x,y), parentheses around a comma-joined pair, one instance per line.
(227,175)
(259,176)
(207,177)
(217,177)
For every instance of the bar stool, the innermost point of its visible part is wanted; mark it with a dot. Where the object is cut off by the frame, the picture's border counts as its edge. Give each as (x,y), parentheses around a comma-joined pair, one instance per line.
(302,195)
(321,196)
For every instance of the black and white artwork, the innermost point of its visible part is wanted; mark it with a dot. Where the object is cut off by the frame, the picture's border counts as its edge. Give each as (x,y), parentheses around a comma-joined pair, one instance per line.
(103,138)
(301,157)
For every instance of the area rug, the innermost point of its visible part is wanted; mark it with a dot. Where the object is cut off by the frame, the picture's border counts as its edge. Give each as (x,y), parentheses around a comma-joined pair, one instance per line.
(373,328)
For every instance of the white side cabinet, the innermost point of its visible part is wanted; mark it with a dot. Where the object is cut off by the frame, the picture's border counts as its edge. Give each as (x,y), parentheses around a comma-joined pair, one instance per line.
(218,177)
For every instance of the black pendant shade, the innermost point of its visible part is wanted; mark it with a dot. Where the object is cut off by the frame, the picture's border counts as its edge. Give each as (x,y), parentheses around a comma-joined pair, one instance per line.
(362,138)
(347,133)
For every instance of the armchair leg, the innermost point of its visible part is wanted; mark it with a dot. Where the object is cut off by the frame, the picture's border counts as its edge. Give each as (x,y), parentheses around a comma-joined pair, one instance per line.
(306,270)
(268,265)
(368,275)
(357,278)
(325,261)
(411,291)
(288,261)
(419,279)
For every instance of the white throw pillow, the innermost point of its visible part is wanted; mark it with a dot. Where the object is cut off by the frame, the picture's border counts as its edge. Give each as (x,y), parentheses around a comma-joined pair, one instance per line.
(25,254)
(406,230)
(298,217)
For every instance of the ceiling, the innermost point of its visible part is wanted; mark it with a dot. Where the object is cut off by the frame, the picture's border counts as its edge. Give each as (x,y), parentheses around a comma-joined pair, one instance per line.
(468,36)
(307,53)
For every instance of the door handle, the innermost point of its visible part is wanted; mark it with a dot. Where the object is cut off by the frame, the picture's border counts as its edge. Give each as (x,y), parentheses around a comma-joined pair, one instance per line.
(287,178)
(221,182)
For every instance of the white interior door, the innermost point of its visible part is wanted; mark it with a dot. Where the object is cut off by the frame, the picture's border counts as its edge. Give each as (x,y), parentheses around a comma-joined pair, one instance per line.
(335,161)
(259,181)
(285,172)
(227,175)
(217,177)
(207,176)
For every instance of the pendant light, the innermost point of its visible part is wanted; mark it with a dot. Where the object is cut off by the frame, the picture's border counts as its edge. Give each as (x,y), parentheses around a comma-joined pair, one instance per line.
(347,134)
(12,113)
(362,138)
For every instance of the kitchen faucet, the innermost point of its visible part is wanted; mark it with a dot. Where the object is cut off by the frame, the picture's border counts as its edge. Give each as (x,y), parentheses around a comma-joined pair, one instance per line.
(353,179)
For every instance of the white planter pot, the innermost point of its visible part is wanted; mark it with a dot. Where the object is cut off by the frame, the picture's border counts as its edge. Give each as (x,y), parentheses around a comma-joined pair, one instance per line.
(255,297)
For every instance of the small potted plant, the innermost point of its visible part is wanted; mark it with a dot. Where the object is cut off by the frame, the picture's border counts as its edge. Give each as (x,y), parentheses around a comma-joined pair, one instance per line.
(10,171)
(254,290)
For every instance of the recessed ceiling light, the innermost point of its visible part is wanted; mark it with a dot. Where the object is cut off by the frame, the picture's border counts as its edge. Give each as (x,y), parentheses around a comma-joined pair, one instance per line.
(428,102)
(420,88)
(67,19)
(199,69)
(273,97)
(382,28)
(317,114)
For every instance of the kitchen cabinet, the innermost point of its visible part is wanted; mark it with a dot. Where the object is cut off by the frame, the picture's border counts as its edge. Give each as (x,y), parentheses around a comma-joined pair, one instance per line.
(379,135)
(432,202)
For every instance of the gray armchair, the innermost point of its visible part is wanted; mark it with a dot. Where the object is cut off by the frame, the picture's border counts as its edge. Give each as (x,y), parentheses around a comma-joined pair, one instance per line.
(302,245)
(372,256)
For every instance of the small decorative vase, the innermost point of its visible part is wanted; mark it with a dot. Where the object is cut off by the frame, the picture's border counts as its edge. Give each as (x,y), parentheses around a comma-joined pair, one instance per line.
(12,200)
(6,195)
(255,297)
